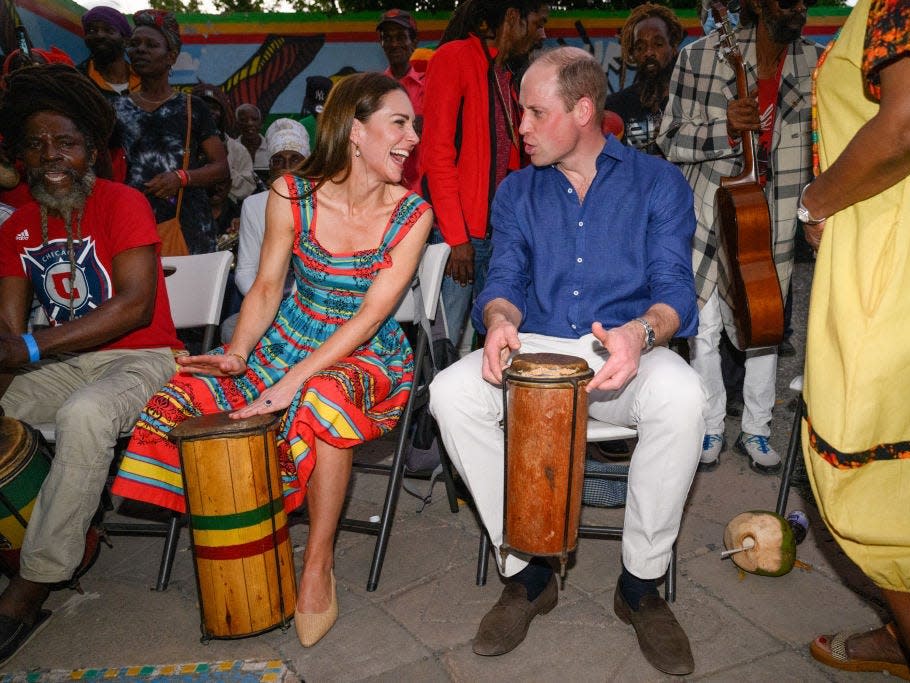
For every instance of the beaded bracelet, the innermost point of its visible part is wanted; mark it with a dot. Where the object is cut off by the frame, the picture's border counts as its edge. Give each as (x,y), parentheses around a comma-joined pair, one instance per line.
(183,176)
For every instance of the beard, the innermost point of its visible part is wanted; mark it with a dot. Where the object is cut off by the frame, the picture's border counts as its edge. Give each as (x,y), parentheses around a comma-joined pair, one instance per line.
(653,90)
(66,203)
(783,31)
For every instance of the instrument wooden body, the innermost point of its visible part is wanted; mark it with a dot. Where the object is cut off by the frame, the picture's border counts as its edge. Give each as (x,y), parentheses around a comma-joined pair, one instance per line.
(744,222)
(25,462)
(545,409)
(241,546)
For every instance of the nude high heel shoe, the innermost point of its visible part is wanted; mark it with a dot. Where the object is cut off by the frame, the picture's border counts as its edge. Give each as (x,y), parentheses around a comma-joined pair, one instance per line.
(311,627)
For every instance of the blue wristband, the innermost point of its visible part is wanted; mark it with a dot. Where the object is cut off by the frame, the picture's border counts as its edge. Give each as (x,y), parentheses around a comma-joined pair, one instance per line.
(34,353)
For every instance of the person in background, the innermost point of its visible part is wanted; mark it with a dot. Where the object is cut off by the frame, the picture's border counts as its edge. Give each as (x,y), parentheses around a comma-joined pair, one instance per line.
(249,120)
(317,90)
(856,430)
(244,180)
(153,124)
(470,142)
(289,147)
(650,41)
(330,359)
(106,32)
(398,38)
(87,249)
(701,131)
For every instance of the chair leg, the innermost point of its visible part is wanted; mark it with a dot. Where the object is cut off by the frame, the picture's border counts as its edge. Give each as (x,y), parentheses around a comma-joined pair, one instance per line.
(483,558)
(794,450)
(169,552)
(397,473)
(451,493)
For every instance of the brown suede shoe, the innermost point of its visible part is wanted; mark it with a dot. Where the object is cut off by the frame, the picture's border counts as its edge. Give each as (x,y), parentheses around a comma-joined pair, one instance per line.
(660,637)
(504,627)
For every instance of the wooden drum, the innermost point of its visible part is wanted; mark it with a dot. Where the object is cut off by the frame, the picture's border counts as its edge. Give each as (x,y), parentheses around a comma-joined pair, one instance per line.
(241,545)
(545,408)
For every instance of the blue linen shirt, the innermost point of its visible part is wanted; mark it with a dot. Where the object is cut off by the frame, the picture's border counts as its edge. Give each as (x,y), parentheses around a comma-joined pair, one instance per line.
(565,263)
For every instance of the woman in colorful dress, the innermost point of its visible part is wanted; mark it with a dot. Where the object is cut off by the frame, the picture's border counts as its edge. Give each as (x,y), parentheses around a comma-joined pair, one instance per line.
(153,121)
(856,434)
(330,357)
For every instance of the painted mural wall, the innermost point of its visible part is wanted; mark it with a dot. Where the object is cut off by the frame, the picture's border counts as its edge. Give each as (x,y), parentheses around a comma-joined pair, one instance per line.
(265,59)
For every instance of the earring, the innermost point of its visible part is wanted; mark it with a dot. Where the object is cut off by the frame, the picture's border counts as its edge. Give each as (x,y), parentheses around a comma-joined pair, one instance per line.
(356,150)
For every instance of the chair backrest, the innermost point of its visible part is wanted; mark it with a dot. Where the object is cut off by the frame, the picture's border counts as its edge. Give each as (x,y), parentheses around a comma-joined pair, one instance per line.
(195,289)
(429,283)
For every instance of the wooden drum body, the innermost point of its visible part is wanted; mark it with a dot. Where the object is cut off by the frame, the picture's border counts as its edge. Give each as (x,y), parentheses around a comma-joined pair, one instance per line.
(545,411)
(241,546)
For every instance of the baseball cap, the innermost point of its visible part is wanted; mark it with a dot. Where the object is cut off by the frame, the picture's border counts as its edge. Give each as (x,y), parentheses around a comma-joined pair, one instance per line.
(317,89)
(400,17)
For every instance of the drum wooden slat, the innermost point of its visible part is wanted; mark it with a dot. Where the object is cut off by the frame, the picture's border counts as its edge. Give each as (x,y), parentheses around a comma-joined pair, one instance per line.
(241,588)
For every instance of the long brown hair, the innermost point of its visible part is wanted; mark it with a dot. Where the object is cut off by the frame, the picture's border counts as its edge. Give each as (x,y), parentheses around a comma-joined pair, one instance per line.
(355,97)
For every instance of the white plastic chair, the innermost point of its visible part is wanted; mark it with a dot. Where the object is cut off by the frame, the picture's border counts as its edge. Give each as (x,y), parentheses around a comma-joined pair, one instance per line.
(418,306)
(195,289)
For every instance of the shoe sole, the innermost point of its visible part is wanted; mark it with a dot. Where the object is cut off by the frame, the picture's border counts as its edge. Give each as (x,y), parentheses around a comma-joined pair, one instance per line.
(755,466)
(866,665)
(708,466)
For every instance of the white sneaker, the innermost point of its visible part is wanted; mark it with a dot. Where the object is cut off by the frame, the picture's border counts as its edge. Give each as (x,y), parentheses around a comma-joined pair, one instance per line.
(762,458)
(711,448)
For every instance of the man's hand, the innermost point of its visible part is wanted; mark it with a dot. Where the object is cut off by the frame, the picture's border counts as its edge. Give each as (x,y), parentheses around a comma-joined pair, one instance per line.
(742,115)
(813,234)
(460,266)
(501,342)
(624,345)
(164,185)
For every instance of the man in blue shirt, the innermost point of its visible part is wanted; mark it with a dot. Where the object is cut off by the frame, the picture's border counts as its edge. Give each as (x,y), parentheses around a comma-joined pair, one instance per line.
(591,258)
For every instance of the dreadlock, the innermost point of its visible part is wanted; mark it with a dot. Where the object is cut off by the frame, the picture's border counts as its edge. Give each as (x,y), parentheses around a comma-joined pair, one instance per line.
(675,32)
(483,17)
(60,89)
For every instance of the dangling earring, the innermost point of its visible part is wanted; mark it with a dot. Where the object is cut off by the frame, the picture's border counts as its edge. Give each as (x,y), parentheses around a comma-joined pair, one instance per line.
(356,150)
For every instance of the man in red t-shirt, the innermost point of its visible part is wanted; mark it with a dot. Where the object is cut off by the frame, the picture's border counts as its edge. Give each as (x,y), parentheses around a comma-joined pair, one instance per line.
(87,249)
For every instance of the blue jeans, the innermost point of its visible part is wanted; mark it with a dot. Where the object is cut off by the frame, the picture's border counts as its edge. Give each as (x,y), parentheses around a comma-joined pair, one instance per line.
(457,299)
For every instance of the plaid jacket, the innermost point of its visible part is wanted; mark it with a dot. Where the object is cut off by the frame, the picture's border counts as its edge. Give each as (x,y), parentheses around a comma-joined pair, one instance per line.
(694,136)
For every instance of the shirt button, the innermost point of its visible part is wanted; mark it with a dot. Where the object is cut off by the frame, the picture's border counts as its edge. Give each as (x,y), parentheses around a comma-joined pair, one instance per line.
(581,224)
(579,259)
(573,327)
(570,190)
(575,293)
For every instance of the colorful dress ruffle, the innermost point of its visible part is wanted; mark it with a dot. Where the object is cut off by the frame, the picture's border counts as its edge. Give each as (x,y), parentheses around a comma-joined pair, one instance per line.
(357,399)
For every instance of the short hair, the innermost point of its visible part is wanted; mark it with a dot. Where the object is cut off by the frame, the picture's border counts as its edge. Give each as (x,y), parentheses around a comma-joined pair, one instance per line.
(61,89)
(246,104)
(578,74)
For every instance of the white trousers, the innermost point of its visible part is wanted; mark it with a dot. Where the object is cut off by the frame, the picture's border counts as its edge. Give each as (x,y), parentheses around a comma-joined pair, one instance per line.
(759,391)
(664,401)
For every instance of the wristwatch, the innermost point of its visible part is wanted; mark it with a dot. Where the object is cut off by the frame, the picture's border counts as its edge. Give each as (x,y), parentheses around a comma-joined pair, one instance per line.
(649,333)
(802,213)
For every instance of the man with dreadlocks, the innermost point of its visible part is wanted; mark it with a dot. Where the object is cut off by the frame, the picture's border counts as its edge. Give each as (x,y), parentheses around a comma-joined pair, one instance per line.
(650,41)
(87,249)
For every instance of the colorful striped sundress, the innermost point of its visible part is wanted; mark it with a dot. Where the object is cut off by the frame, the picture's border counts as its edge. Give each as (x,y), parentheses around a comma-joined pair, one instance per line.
(357,399)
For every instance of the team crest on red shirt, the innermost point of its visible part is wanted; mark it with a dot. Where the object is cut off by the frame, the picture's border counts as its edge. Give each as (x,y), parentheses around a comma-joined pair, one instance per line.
(48,268)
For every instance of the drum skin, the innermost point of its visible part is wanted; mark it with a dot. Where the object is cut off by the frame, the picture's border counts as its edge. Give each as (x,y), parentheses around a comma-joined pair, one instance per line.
(545,405)
(241,545)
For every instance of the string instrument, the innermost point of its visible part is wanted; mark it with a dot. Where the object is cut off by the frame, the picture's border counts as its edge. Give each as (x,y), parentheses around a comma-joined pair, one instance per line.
(745,227)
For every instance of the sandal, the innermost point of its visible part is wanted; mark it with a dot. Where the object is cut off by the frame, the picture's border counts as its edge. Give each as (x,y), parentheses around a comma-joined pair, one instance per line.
(832,651)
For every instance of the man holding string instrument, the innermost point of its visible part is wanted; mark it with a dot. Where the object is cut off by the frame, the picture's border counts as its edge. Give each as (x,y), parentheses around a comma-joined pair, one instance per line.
(702,131)
(591,258)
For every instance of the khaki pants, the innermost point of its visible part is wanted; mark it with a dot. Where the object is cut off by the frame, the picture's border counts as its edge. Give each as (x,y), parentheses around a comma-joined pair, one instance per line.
(91,398)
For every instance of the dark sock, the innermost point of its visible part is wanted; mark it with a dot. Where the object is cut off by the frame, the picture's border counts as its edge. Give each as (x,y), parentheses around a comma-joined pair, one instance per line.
(534,577)
(634,589)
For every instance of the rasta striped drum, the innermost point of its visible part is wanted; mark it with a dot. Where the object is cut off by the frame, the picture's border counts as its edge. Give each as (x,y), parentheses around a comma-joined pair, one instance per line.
(241,545)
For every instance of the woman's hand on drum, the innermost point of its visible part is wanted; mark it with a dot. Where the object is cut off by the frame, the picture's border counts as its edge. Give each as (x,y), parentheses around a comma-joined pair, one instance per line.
(624,346)
(274,399)
(501,342)
(219,365)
